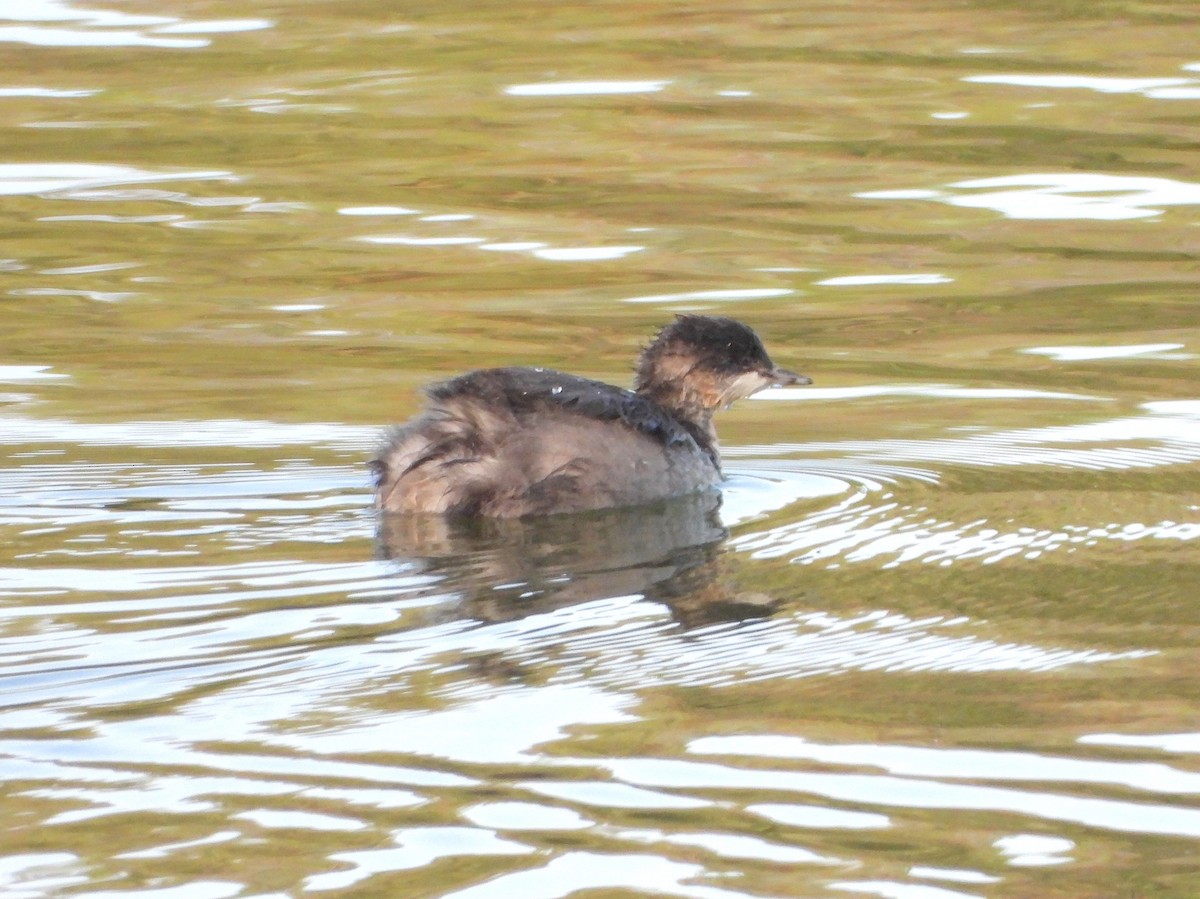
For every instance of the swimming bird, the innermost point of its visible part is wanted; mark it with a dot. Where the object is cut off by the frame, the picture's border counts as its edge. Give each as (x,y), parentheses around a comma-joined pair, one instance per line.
(511,442)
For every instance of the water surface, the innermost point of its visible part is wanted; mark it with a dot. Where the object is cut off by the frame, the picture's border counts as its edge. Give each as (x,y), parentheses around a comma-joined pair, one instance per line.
(938,640)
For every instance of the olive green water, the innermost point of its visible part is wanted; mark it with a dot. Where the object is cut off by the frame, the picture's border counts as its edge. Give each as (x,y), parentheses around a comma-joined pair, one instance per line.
(942,642)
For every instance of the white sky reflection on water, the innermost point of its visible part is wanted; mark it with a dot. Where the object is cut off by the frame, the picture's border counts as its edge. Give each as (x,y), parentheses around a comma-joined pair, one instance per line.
(748,494)
(271,818)
(513,246)
(71,37)
(868,525)
(108,28)
(536,249)
(887,791)
(1185,742)
(603,794)
(887,889)
(627,643)
(378,210)
(1034,850)
(584,88)
(1059,195)
(416,847)
(209,432)
(525,816)
(940,391)
(1155,88)
(576,871)
(585,254)
(215,26)
(868,280)
(734,846)
(46,177)
(596,656)
(515,720)
(1169,433)
(955,875)
(750,293)
(890,535)
(35,875)
(407,240)
(60,11)
(28,373)
(972,764)
(44,92)
(1091,353)
(818,816)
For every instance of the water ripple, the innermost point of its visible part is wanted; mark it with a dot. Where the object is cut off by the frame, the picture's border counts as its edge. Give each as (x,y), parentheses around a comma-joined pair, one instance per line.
(208,432)
(67,179)
(1173,425)
(973,764)
(109,28)
(629,644)
(1155,88)
(912,793)
(1059,195)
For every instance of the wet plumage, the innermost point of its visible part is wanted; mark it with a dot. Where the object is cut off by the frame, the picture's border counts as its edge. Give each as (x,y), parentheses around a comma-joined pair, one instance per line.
(509,442)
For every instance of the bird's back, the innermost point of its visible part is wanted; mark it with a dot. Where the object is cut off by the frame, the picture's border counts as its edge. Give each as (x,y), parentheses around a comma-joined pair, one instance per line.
(509,442)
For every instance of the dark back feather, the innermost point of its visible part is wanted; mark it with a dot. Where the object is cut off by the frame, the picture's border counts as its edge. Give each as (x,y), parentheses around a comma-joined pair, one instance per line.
(525,391)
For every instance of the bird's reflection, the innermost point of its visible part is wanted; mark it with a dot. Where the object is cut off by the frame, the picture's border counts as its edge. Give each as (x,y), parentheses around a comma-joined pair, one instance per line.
(503,569)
